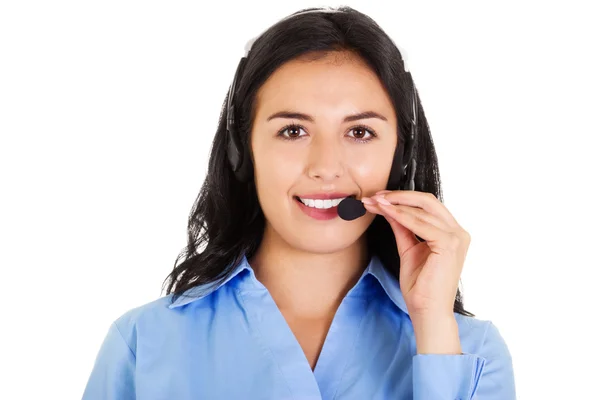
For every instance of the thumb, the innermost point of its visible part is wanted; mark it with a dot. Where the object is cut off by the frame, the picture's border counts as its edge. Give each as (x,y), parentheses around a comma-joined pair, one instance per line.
(405,238)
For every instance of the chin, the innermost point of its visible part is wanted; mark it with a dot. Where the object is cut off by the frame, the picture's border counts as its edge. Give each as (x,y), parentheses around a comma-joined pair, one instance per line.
(323,243)
(322,247)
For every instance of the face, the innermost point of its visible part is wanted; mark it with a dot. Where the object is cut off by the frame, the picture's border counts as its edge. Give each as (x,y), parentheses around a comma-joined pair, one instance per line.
(321,153)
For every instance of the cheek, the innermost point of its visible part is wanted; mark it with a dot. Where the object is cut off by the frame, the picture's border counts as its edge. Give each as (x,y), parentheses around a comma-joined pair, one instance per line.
(278,168)
(372,169)
(275,170)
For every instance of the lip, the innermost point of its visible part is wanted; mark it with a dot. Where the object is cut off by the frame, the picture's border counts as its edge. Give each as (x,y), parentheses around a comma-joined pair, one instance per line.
(324,196)
(319,214)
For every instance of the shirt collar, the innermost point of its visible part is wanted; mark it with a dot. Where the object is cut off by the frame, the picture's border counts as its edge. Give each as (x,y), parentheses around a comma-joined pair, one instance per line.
(201,291)
(388,282)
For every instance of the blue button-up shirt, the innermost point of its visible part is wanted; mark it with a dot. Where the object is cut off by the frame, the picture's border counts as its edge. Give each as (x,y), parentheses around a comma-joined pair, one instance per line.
(231,342)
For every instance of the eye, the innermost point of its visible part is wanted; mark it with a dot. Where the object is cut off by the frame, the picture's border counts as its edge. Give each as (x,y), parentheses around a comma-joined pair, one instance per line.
(292,129)
(363,130)
(358,133)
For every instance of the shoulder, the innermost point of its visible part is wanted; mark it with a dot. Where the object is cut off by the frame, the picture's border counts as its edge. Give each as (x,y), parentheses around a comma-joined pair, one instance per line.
(480,336)
(482,343)
(158,321)
(145,319)
(158,308)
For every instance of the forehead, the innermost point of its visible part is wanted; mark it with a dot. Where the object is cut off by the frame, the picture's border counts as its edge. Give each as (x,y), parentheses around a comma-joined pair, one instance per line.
(336,80)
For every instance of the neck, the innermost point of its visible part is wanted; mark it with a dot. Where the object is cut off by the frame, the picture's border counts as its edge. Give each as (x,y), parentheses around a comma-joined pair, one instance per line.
(307,285)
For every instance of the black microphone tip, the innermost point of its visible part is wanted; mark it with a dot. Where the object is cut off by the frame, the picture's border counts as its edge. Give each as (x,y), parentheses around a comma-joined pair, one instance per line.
(350,208)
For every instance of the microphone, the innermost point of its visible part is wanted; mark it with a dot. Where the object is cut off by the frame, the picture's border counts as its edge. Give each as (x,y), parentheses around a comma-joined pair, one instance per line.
(349,209)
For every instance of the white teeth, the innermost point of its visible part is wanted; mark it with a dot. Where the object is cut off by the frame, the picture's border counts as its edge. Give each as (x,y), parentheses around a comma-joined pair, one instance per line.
(323,204)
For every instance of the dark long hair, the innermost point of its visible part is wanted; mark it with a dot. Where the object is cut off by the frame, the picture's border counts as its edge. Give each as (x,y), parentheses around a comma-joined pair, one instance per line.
(226,221)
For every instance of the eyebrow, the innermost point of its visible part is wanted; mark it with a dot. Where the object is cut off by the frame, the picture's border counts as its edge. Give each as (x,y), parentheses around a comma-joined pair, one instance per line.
(306,117)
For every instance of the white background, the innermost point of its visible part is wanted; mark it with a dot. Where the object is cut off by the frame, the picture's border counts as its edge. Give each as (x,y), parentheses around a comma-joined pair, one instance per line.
(108,110)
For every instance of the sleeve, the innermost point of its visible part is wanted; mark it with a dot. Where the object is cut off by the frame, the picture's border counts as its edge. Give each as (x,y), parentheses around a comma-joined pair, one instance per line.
(112,377)
(485,376)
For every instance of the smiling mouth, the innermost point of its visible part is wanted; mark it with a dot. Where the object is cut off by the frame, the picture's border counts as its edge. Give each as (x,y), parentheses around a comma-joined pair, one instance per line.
(316,208)
(352,196)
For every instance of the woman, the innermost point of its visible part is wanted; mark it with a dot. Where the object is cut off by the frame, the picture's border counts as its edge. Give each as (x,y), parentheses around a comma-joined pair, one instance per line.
(285,299)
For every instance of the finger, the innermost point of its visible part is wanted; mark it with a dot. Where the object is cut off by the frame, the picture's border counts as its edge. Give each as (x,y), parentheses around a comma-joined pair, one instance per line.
(423,200)
(422,214)
(374,209)
(436,238)
(405,238)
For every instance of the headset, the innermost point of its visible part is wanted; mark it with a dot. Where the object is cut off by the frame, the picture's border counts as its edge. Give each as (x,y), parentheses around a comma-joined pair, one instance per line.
(239,157)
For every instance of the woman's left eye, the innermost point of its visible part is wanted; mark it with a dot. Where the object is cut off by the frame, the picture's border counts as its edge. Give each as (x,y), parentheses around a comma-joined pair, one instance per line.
(364,130)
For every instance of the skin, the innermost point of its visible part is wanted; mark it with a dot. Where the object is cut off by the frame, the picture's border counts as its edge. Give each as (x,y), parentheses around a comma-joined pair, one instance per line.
(431,269)
(310,265)
(307,265)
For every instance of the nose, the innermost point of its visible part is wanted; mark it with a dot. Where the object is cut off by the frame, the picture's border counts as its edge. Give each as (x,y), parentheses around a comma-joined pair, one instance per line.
(325,161)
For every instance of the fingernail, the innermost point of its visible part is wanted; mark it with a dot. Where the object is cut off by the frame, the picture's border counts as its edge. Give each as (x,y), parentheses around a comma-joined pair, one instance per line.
(368,200)
(383,201)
